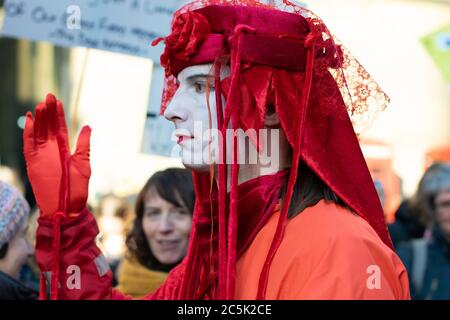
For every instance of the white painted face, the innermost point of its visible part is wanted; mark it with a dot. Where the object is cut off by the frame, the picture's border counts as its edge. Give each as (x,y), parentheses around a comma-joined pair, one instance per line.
(188,110)
(197,132)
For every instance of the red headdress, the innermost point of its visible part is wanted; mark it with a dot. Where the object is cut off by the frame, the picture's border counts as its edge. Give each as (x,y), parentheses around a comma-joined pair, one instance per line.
(285,56)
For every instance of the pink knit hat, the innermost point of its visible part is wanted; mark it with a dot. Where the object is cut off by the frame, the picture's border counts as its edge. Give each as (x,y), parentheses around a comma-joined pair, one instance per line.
(14,209)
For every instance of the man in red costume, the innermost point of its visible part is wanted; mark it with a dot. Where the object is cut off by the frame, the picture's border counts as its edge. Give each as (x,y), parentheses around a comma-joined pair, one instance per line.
(309,227)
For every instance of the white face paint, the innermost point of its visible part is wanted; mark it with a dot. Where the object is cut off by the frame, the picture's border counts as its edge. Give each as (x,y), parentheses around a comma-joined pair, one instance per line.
(198,134)
(188,110)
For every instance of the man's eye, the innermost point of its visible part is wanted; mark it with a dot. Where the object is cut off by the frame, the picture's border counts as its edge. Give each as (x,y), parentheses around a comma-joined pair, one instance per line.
(200,87)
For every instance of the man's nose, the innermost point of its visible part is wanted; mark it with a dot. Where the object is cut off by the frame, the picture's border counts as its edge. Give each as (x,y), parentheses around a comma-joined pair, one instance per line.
(176,110)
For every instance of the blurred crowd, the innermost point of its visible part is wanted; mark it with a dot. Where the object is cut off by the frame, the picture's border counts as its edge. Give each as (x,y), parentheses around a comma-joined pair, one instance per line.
(421,235)
(144,236)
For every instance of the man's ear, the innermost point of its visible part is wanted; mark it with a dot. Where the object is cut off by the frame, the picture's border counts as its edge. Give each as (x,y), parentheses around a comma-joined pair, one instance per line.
(271,117)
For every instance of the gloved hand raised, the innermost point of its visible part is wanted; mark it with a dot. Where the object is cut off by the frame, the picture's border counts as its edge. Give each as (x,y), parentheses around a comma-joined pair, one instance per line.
(59,180)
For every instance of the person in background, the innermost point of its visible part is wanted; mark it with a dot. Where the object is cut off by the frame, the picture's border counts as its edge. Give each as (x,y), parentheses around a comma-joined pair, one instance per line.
(14,246)
(159,237)
(414,215)
(380,191)
(428,259)
(112,214)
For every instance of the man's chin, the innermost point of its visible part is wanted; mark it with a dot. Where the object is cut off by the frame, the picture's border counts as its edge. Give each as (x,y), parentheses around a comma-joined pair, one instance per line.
(195,161)
(201,168)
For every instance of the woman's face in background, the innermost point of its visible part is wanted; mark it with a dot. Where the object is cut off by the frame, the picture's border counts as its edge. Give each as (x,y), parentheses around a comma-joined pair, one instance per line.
(442,205)
(166,227)
(19,250)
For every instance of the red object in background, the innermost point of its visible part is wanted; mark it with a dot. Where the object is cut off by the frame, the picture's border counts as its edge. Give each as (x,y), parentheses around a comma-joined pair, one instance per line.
(379,159)
(440,154)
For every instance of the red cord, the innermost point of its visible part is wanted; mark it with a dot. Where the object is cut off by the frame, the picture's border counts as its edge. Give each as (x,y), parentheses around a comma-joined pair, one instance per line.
(278,237)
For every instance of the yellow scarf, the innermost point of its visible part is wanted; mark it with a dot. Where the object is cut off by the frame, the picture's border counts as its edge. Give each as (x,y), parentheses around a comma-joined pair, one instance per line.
(136,280)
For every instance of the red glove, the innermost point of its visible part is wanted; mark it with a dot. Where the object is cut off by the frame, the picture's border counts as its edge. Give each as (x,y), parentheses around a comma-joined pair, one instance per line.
(60,180)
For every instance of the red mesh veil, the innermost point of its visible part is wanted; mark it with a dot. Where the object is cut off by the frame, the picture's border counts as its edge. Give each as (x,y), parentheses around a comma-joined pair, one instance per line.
(363,97)
(322,95)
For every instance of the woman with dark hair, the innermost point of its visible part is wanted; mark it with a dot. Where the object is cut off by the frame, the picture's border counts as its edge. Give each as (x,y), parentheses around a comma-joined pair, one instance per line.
(415,215)
(159,237)
(428,259)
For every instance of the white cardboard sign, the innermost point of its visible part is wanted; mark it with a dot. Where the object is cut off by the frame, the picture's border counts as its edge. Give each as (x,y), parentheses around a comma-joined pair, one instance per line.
(123,26)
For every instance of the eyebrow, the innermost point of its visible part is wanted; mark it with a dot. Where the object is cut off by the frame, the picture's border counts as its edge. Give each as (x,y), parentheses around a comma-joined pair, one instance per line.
(199,75)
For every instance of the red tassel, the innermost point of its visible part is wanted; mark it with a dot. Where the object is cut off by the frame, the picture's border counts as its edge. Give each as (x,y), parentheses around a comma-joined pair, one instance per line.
(278,237)
(60,215)
(222,186)
(192,249)
(56,248)
(231,110)
(42,287)
(233,220)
